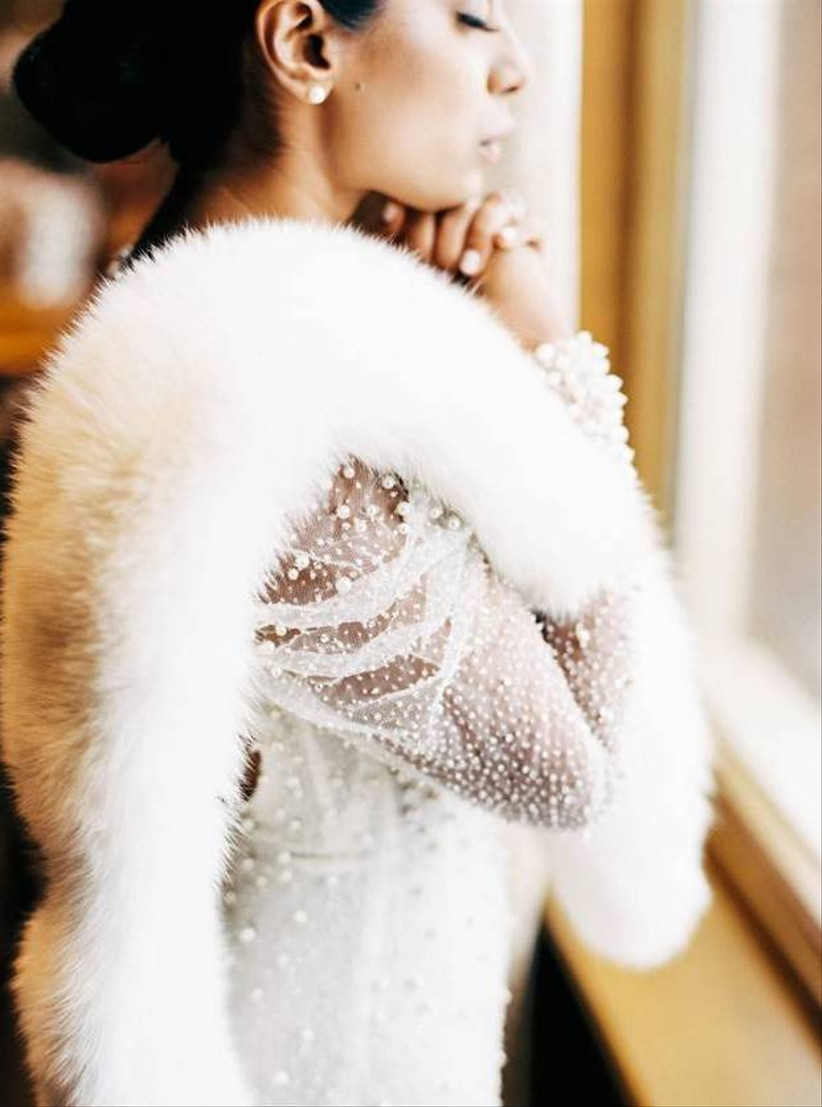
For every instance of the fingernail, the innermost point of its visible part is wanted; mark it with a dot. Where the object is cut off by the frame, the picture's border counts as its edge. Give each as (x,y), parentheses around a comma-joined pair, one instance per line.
(470,262)
(390,211)
(507,235)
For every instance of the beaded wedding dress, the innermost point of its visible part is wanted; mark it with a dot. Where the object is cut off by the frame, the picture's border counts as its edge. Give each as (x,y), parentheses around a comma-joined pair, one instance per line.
(293,706)
(409,700)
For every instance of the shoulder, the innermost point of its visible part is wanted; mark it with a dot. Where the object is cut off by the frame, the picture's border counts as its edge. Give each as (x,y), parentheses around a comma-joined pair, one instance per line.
(239,313)
(363,521)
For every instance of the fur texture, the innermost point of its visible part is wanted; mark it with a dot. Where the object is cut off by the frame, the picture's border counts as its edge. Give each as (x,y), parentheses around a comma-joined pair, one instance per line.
(185,423)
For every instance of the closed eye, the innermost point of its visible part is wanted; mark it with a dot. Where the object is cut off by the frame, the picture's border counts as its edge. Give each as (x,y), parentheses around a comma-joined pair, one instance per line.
(474,21)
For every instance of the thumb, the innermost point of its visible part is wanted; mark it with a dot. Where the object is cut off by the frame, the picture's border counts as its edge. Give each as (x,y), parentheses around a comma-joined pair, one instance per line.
(392,217)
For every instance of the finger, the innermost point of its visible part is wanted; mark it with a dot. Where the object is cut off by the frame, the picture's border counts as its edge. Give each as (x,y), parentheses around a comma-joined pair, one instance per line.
(511,235)
(534,230)
(393,217)
(452,232)
(421,232)
(516,201)
(530,231)
(491,218)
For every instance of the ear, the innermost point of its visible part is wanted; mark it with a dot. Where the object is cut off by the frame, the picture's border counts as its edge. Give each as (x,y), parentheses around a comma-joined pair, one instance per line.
(299,42)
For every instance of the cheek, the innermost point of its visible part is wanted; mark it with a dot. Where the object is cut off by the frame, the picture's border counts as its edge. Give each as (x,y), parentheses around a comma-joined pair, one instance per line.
(414,132)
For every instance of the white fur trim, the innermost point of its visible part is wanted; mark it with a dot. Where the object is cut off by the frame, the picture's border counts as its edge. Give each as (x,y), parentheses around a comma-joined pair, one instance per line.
(634,886)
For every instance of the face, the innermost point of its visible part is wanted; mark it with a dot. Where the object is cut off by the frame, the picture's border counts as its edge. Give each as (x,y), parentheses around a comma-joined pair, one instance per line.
(433,85)
(414,94)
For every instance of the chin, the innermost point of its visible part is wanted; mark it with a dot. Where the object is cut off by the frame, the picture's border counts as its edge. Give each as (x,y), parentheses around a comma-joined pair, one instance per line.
(448,189)
(452,194)
(471,183)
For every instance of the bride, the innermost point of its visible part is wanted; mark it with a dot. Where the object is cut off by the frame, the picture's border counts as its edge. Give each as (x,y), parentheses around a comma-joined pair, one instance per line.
(327,559)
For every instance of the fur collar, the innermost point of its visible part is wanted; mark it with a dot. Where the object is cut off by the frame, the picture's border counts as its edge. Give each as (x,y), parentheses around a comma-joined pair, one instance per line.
(254,355)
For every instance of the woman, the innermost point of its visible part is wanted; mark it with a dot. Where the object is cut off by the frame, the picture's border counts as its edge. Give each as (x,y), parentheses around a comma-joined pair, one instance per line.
(317,577)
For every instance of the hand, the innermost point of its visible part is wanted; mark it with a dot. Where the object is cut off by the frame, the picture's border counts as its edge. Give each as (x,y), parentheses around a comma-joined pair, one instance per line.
(458,240)
(495,247)
(516,282)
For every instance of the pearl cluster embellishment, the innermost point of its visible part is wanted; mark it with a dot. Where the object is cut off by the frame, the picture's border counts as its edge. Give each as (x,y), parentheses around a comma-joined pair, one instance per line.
(578,370)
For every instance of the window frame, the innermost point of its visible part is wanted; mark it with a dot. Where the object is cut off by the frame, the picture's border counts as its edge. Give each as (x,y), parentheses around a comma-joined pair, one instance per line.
(648,252)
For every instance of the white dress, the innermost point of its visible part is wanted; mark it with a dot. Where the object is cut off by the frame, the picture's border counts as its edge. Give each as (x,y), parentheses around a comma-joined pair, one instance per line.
(213,565)
(409,701)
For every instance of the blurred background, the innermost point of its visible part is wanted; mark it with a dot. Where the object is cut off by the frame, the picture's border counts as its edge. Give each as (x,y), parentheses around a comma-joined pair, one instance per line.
(674,148)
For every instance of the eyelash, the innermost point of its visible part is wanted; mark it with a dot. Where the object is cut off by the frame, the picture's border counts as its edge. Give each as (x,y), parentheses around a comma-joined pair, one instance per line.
(473,21)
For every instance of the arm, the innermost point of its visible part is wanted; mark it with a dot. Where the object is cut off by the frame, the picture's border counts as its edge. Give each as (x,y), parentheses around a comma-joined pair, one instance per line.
(429,661)
(524,729)
(635,889)
(577,370)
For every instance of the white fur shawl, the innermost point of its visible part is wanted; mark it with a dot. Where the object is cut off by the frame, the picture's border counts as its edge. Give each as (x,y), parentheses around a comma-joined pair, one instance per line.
(186,420)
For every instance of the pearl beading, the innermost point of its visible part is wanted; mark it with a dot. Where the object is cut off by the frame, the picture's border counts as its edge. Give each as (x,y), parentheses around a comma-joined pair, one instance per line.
(408,700)
(578,370)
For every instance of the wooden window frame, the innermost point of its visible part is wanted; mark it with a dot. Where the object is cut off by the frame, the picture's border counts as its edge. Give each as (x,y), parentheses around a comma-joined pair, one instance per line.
(638,105)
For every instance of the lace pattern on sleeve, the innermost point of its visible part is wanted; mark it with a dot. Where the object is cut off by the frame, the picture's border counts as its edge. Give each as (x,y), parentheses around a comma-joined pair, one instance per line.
(385,624)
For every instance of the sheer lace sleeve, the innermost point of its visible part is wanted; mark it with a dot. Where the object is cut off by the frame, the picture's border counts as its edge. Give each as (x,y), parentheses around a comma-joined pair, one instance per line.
(385,623)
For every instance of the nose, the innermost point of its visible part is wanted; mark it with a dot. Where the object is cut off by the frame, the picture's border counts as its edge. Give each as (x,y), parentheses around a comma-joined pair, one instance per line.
(512,70)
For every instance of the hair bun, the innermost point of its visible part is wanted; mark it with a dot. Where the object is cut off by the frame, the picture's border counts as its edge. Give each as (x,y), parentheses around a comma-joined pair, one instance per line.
(93,80)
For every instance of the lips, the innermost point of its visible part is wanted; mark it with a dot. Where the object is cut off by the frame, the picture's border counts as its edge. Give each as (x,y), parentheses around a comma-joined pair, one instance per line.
(491,148)
(497,136)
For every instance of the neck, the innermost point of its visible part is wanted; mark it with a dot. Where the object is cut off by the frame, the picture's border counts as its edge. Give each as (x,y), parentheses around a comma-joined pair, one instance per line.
(283,189)
(289,187)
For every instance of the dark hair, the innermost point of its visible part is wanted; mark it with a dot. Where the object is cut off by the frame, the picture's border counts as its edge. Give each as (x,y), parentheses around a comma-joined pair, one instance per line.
(111,76)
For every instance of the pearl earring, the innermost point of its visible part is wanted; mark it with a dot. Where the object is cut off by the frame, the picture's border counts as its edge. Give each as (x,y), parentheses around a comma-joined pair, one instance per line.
(316,94)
